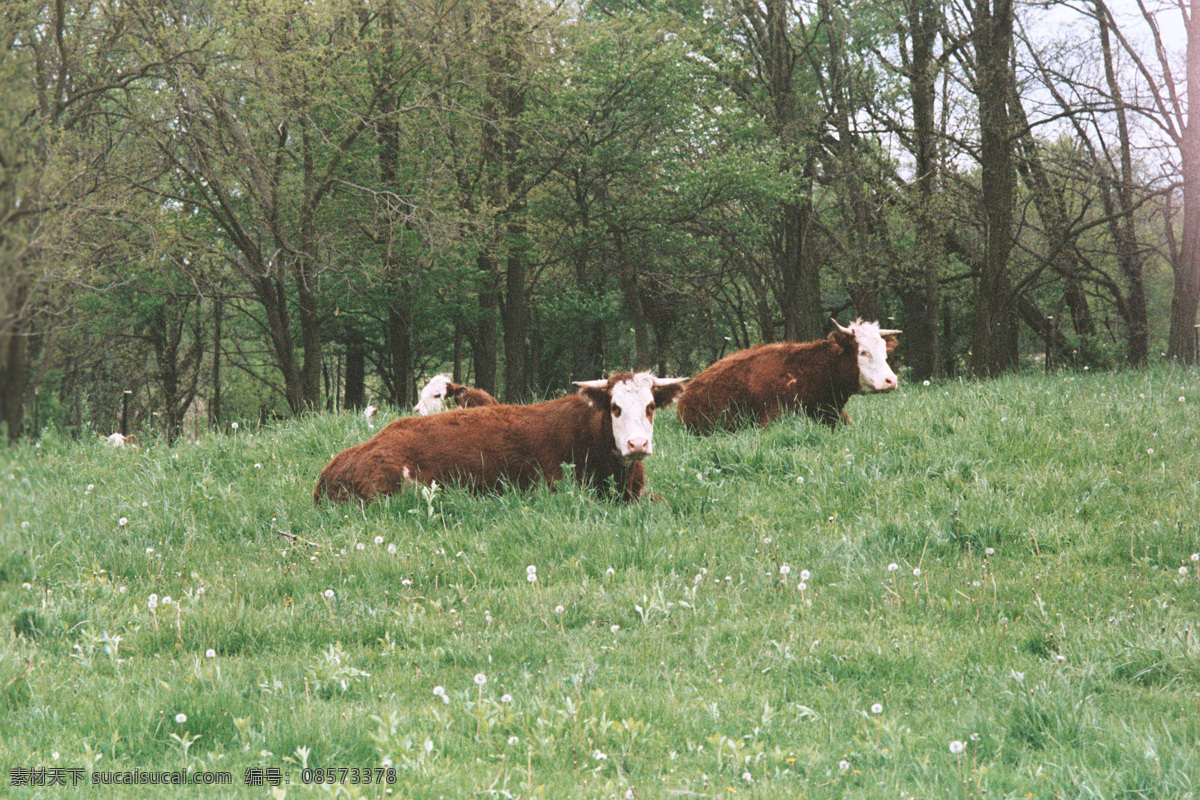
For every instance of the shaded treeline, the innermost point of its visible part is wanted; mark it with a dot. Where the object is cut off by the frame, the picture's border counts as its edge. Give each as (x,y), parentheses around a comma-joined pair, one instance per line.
(267,207)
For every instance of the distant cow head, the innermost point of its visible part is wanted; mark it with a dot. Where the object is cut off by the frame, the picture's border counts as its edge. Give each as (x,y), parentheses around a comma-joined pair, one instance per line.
(433,395)
(870,344)
(631,400)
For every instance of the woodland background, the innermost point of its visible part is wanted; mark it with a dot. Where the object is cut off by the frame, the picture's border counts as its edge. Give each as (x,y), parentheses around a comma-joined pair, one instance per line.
(236,209)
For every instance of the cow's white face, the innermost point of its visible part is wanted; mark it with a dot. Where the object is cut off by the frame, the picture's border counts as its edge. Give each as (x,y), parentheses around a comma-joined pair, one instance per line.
(631,404)
(433,395)
(874,374)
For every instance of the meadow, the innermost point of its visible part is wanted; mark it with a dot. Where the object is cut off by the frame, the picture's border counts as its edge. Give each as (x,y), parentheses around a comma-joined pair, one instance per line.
(977,590)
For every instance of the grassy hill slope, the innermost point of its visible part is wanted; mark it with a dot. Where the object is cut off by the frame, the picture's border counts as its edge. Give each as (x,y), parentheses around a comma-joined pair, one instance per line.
(1001,568)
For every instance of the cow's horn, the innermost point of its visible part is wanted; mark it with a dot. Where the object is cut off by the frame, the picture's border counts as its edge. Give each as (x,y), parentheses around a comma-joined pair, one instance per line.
(889,332)
(838,325)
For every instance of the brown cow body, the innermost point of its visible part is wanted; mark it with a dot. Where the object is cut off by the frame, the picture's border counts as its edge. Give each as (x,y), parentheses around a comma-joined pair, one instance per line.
(756,385)
(490,447)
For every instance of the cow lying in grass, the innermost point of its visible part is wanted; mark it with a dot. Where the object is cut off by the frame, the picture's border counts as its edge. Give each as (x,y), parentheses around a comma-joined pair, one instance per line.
(755,386)
(604,431)
(441,388)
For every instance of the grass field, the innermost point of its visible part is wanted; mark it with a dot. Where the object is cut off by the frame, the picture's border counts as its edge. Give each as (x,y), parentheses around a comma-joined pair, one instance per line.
(978,590)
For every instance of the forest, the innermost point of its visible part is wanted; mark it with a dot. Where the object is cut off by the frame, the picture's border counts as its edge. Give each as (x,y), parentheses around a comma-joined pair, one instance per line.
(223,210)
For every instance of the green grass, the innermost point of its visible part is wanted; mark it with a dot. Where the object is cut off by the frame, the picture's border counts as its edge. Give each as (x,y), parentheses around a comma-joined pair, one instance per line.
(660,651)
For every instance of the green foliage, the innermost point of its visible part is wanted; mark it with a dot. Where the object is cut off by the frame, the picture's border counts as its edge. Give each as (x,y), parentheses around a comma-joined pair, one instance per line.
(1036,614)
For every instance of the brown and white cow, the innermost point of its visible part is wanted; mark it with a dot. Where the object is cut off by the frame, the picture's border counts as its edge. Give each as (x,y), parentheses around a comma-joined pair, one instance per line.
(605,430)
(441,388)
(758,384)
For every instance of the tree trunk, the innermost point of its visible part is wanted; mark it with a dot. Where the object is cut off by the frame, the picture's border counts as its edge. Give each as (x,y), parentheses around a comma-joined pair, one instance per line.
(400,350)
(803,314)
(919,291)
(486,347)
(1124,228)
(1052,209)
(1181,345)
(516,321)
(272,295)
(643,358)
(798,275)
(14,381)
(356,372)
(994,343)
(214,409)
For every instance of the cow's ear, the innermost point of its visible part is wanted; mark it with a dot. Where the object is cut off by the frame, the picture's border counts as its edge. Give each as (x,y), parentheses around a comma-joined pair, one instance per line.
(455,389)
(890,342)
(667,391)
(846,341)
(596,392)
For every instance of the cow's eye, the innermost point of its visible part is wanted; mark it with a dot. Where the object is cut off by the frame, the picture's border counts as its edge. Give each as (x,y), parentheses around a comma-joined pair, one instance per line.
(616,411)
(650,410)
(864,354)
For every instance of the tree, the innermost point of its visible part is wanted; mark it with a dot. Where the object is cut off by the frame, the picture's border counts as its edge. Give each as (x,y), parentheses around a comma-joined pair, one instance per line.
(994,343)
(256,140)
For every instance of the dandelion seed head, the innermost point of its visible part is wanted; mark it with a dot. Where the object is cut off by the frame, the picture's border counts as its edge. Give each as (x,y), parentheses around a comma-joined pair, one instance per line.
(392,549)
(989,551)
(877,708)
(506,698)
(359,546)
(558,609)
(480,679)
(805,574)
(181,718)
(233,425)
(843,765)
(513,741)
(210,653)
(439,691)
(123,521)
(802,586)
(530,569)
(615,628)
(329,594)
(531,577)
(1183,570)
(378,540)
(892,567)
(956,747)
(785,569)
